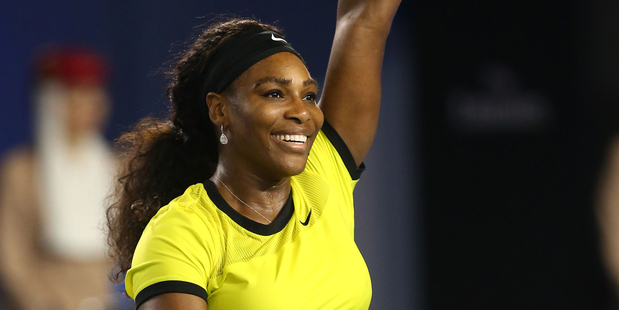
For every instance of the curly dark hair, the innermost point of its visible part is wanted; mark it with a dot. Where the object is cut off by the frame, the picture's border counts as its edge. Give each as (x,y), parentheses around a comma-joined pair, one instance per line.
(161,158)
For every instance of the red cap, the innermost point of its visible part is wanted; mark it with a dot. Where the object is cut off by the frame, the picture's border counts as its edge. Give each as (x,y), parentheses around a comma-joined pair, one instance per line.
(74,66)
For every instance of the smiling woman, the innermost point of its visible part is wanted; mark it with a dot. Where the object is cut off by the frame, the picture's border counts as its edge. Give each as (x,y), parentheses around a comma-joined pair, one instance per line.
(243,199)
(273,99)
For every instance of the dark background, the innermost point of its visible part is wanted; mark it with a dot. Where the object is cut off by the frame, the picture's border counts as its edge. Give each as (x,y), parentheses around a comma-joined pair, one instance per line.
(514,130)
(496,115)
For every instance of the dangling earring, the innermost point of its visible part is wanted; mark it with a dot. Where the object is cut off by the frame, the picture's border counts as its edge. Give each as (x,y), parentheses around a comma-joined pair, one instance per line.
(223,139)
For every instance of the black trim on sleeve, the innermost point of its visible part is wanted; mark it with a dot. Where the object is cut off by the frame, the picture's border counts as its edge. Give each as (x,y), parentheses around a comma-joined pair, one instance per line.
(169,287)
(343,150)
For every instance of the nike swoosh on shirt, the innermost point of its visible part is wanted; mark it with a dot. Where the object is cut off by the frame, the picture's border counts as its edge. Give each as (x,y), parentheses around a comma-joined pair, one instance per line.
(277,39)
(307,219)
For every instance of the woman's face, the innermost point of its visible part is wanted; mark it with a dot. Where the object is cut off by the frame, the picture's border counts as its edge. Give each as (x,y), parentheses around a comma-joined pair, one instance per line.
(272,117)
(87,108)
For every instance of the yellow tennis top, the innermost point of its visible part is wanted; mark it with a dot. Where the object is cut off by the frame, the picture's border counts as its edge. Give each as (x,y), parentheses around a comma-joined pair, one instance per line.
(305,259)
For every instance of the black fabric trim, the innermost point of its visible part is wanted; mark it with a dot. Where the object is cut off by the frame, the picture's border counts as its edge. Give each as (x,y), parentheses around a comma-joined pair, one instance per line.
(342,149)
(169,287)
(276,226)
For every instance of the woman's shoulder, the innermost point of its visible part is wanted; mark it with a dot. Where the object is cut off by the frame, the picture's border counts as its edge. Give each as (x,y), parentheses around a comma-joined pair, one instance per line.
(193,205)
(17,169)
(18,160)
(191,199)
(331,157)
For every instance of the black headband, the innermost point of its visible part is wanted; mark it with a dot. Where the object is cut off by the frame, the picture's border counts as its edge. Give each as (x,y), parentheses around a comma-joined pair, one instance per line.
(237,55)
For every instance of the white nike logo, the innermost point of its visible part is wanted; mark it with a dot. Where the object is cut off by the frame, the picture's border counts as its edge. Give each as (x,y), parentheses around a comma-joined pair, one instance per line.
(277,39)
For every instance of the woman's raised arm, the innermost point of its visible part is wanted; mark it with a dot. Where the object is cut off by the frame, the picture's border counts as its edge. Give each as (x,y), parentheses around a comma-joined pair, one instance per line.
(351,96)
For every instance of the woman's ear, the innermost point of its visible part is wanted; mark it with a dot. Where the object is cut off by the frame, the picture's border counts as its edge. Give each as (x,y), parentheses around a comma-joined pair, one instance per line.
(215,103)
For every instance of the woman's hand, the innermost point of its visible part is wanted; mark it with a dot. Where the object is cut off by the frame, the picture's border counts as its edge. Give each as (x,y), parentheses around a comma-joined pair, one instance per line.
(351,97)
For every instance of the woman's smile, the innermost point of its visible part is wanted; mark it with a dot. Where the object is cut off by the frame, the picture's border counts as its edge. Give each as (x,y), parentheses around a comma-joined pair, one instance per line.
(292,142)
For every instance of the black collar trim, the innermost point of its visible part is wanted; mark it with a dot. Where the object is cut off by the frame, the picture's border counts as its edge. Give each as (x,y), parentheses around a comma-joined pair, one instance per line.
(276,226)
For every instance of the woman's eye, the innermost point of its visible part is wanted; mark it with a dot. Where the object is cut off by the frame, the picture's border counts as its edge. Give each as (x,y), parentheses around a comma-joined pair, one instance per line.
(274,94)
(310,97)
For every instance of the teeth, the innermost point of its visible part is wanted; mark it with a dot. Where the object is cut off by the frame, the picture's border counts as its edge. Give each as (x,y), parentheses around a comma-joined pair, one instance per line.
(292,138)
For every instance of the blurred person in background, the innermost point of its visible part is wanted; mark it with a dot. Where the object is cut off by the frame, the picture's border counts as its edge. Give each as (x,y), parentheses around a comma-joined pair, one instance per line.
(608,213)
(52,244)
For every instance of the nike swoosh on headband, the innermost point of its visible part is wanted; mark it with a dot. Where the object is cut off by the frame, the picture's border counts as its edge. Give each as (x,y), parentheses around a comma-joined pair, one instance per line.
(277,39)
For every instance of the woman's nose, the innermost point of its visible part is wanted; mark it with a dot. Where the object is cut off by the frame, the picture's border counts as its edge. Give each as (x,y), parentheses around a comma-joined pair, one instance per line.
(298,110)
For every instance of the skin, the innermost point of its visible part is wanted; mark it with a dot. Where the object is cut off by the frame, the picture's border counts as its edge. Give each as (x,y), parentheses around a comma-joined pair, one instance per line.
(607,212)
(256,166)
(87,110)
(351,97)
(276,96)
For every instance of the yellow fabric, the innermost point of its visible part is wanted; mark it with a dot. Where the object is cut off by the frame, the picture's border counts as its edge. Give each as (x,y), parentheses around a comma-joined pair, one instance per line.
(317,266)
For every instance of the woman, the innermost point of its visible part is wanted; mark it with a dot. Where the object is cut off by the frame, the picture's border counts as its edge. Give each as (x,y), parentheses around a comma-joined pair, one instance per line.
(252,218)
(52,193)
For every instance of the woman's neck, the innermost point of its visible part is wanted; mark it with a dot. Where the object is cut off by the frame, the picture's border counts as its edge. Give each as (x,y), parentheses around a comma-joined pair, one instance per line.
(251,195)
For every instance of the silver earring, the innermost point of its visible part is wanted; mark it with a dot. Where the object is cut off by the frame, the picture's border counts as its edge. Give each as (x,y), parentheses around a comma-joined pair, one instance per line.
(223,139)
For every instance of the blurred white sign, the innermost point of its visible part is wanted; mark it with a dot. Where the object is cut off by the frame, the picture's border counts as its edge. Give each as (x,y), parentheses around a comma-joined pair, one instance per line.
(500,106)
